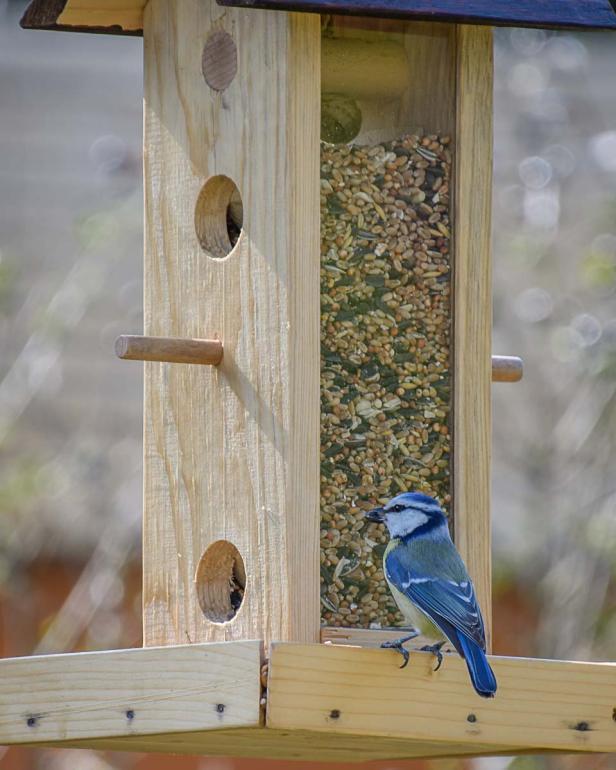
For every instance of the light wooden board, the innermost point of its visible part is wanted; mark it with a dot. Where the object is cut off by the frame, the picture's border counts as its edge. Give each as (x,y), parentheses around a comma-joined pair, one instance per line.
(424,100)
(129,693)
(430,101)
(104,13)
(233,453)
(325,703)
(473,309)
(284,744)
(540,705)
(371,637)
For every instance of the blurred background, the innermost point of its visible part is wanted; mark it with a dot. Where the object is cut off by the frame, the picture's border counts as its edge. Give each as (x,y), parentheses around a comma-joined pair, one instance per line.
(70,412)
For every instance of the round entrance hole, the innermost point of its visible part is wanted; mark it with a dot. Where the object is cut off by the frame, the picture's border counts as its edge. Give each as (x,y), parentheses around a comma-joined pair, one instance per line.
(220,581)
(219,216)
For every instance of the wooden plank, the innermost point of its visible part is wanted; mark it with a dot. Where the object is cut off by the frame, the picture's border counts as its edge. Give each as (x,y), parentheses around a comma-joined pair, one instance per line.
(119,17)
(325,703)
(588,14)
(540,705)
(129,693)
(371,637)
(285,744)
(128,18)
(430,101)
(232,453)
(413,62)
(472,278)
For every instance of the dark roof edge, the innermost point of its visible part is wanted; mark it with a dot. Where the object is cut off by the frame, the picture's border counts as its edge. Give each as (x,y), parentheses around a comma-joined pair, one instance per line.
(44,14)
(563,14)
(576,14)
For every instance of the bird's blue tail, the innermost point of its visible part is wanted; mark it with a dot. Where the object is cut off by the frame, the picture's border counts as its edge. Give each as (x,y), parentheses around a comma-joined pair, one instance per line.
(482,675)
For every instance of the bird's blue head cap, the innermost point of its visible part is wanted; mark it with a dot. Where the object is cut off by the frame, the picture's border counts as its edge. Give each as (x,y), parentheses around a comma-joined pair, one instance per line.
(407,512)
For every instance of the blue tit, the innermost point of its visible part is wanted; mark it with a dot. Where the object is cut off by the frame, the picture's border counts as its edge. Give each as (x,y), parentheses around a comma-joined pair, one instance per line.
(431,585)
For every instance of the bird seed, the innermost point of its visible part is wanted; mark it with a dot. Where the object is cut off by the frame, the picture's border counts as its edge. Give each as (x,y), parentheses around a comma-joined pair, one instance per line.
(385,356)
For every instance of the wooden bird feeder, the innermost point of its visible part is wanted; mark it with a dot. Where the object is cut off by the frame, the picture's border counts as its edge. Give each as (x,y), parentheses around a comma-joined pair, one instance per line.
(274,134)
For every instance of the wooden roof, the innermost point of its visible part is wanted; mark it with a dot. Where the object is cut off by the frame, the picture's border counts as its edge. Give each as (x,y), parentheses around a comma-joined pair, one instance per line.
(115,17)
(521,13)
(126,17)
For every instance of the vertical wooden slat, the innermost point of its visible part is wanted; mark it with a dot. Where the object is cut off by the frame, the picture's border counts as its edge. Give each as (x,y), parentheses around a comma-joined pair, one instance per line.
(430,100)
(473,306)
(232,453)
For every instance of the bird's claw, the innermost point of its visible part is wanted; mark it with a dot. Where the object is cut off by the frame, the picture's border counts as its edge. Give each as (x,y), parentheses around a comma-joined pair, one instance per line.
(396,644)
(435,649)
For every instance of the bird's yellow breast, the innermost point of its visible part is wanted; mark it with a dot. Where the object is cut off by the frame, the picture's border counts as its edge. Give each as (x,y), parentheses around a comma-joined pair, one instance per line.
(412,614)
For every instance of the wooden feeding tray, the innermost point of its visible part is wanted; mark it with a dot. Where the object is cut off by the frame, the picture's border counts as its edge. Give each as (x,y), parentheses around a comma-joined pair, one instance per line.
(324,702)
(287,393)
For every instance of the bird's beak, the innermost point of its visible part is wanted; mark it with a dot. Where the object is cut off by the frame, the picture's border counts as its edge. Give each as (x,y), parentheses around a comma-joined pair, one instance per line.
(376,515)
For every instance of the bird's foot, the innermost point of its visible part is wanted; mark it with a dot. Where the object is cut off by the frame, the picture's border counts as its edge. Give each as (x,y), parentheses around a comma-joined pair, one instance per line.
(435,649)
(396,644)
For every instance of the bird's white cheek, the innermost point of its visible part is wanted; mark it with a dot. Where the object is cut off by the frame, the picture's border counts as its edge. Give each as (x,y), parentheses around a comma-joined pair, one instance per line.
(400,524)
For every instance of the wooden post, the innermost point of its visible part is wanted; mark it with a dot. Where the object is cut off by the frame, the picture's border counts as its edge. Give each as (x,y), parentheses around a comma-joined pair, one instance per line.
(507,369)
(473,308)
(232,453)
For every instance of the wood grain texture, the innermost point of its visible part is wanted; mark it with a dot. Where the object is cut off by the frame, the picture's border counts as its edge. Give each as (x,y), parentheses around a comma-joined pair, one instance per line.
(584,14)
(407,101)
(364,69)
(472,309)
(430,102)
(325,703)
(372,637)
(507,369)
(540,705)
(106,16)
(232,453)
(135,347)
(286,744)
(129,693)
(219,60)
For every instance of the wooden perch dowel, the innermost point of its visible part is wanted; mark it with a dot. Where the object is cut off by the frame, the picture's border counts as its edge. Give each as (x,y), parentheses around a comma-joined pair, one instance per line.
(175,350)
(364,70)
(507,369)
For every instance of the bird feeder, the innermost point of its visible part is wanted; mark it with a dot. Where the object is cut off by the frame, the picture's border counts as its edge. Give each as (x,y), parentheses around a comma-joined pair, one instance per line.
(317,338)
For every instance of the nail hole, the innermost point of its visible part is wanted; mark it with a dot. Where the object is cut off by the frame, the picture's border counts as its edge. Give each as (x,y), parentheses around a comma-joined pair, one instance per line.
(219,216)
(130,715)
(582,727)
(220,708)
(219,60)
(471,718)
(334,714)
(220,581)
(614,713)
(31,721)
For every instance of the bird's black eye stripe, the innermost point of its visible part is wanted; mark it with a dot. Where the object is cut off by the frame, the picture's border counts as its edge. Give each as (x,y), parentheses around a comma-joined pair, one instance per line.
(396,509)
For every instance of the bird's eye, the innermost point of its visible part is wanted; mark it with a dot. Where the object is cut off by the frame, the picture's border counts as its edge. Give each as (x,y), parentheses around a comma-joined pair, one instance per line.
(396,509)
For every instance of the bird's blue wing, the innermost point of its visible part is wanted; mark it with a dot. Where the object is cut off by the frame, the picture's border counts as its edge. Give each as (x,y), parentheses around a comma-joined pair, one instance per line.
(448,599)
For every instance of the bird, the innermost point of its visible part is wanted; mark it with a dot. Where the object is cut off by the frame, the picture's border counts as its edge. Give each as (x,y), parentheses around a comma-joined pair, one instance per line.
(431,585)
